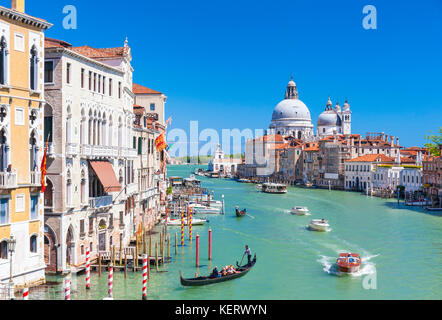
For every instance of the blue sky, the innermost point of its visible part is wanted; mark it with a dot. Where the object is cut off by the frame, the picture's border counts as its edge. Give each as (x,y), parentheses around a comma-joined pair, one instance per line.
(226,63)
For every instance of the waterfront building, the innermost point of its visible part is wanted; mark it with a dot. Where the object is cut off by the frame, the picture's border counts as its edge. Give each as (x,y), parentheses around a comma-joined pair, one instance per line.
(403,171)
(291,116)
(260,157)
(432,178)
(336,149)
(21,145)
(290,168)
(359,171)
(219,164)
(335,120)
(91,186)
(310,158)
(154,104)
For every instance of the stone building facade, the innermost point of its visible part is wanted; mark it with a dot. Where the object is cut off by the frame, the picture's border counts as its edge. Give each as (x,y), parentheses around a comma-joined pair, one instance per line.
(91,185)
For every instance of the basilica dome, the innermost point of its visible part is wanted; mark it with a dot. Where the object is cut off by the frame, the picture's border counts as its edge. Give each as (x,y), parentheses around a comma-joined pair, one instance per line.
(291,116)
(291,109)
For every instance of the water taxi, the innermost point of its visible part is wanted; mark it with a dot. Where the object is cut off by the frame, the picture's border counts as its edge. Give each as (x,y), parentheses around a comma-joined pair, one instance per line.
(300,211)
(244,180)
(349,262)
(205,209)
(177,222)
(318,225)
(274,188)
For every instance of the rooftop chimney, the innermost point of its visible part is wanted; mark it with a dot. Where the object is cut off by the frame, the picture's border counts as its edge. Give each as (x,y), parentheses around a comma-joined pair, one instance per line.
(18,5)
(397,141)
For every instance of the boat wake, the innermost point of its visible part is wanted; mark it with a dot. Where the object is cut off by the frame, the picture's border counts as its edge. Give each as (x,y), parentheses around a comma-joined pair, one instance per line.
(330,267)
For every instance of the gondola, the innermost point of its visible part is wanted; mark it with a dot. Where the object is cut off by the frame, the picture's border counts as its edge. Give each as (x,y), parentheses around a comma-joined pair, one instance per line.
(202,281)
(241,213)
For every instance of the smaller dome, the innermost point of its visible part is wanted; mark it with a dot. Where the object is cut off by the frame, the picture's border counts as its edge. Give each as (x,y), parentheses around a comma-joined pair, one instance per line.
(346,106)
(329,118)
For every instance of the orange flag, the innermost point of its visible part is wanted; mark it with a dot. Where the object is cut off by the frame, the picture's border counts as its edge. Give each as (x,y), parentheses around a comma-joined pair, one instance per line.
(43,168)
(160,144)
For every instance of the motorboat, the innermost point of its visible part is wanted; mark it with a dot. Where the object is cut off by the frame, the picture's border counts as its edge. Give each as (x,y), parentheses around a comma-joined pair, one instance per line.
(177,222)
(300,211)
(349,262)
(205,209)
(258,186)
(274,188)
(214,204)
(244,180)
(319,225)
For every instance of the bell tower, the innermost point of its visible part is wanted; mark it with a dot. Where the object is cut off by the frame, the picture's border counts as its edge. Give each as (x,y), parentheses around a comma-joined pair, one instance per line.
(291,91)
(346,118)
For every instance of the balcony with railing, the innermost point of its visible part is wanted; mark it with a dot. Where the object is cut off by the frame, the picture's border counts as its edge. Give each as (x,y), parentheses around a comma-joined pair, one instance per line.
(72,149)
(8,180)
(51,149)
(100,202)
(146,194)
(35,178)
(131,188)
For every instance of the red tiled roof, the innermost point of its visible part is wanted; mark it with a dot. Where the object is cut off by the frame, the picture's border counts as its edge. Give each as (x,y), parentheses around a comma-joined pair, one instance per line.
(372,158)
(100,53)
(139,89)
(55,43)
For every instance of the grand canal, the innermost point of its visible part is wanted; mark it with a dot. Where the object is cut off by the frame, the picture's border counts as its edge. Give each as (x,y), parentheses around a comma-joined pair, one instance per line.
(401,248)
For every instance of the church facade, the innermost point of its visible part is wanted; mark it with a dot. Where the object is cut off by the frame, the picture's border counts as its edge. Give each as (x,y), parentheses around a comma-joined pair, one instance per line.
(291,117)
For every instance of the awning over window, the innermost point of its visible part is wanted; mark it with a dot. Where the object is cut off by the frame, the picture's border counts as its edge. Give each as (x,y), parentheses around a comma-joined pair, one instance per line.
(107,176)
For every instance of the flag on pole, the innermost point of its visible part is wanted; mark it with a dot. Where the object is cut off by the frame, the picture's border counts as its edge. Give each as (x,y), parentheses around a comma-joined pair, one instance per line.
(160,144)
(43,168)
(168,147)
(169,120)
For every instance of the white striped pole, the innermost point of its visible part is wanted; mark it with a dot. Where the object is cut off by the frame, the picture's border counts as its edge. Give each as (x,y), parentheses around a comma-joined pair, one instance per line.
(145,277)
(25,293)
(67,288)
(88,270)
(110,279)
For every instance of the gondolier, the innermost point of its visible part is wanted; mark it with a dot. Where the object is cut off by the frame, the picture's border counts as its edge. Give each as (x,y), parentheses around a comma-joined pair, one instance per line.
(249,255)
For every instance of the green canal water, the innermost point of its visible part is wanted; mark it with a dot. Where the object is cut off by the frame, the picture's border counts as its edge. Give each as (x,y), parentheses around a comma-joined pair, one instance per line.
(401,250)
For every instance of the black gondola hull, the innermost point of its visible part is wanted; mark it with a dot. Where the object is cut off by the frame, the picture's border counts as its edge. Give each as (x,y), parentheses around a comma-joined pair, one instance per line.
(202,281)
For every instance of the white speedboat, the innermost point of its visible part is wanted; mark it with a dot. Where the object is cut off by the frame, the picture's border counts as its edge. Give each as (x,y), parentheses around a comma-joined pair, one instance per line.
(319,225)
(177,222)
(258,186)
(214,204)
(300,211)
(204,209)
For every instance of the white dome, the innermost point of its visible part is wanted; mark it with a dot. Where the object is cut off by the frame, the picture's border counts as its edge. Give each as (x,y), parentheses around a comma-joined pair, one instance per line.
(329,118)
(291,109)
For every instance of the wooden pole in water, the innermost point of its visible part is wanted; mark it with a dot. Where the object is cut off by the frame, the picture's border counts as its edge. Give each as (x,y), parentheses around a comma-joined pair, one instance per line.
(99,264)
(189,214)
(168,248)
(210,244)
(121,253)
(176,244)
(136,257)
(125,265)
(161,241)
(133,260)
(150,245)
(113,254)
(197,250)
(182,228)
(156,255)
(148,268)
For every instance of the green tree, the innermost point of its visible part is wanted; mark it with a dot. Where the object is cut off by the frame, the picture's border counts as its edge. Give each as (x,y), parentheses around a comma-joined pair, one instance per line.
(434,143)
(188,159)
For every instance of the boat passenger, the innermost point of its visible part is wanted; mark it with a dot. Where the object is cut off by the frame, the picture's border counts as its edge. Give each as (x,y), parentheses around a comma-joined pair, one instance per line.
(215,273)
(224,272)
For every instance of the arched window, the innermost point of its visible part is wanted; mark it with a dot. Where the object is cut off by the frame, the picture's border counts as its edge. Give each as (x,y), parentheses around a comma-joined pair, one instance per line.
(3,61)
(69,126)
(4,249)
(34,68)
(33,243)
